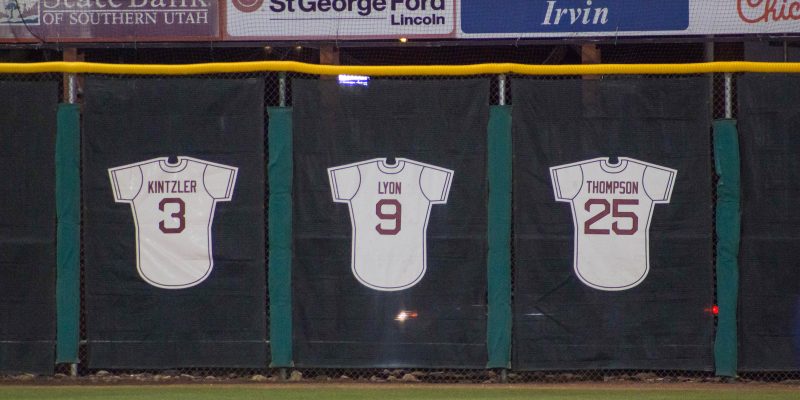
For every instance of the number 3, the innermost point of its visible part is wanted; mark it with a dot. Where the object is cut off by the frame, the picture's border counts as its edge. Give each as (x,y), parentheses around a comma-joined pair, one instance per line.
(616,213)
(396,216)
(180,215)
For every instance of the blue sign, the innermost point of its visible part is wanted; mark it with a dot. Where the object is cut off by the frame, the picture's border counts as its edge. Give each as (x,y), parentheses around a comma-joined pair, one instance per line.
(545,16)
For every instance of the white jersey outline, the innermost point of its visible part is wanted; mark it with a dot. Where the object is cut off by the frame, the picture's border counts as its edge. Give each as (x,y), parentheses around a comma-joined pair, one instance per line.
(386,168)
(607,167)
(182,164)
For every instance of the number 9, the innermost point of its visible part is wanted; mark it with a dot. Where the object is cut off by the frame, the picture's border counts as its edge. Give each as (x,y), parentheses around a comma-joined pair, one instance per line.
(396,216)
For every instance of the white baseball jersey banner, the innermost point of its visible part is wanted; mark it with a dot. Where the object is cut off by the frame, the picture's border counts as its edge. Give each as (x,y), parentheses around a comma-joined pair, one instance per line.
(389,224)
(340,19)
(612,208)
(173,210)
(612,205)
(174,247)
(389,210)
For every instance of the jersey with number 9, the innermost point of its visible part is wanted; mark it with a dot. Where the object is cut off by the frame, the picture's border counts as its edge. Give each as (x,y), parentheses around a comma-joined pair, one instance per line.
(389,211)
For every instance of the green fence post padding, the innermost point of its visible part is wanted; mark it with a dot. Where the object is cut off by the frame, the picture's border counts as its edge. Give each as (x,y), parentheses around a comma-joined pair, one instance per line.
(726,155)
(498,329)
(280,235)
(68,200)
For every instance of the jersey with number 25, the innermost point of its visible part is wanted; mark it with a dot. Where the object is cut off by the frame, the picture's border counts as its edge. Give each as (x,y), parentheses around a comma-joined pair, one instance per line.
(389,210)
(173,208)
(612,205)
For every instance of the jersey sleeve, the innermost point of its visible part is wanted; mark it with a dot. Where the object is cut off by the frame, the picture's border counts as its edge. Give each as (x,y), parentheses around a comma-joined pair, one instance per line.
(567,181)
(219,181)
(435,184)
(658,183)
(345,182)
(125,182)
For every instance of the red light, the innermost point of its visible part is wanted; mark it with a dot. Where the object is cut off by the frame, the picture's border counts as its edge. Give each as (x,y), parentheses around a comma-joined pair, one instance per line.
(715,310)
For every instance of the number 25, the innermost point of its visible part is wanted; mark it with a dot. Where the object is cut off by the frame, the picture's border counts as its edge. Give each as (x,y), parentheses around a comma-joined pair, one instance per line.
(616,213)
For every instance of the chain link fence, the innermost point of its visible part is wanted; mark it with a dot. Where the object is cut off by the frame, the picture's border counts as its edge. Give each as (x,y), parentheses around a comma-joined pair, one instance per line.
(278,93)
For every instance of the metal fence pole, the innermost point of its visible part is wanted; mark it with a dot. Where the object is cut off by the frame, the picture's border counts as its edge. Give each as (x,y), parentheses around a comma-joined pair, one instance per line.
(785,51)
(501,89)
(72,89)
(728,95)
(708,56)
(282,89)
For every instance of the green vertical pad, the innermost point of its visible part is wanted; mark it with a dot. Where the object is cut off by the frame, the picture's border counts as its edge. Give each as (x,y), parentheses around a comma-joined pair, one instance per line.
(68,233)
(726,154)
(280,235)
(499,258)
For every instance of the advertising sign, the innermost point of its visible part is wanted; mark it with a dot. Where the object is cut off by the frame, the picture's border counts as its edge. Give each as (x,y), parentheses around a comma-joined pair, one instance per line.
(108,20)
(340,19)
(630,18)
(572,16)
(483,19)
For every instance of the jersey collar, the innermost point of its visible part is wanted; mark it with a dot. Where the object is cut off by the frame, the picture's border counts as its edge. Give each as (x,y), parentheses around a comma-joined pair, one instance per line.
(178,167)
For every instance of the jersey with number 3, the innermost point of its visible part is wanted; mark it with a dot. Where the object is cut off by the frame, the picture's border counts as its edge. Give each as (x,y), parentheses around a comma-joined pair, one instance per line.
(612,205)
(173,208)
(389,210)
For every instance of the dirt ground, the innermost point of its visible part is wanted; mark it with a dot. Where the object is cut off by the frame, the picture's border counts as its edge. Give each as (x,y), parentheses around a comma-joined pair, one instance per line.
(87,381)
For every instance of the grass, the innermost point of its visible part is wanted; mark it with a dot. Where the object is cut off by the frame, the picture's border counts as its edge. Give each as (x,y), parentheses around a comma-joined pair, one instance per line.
(393,392)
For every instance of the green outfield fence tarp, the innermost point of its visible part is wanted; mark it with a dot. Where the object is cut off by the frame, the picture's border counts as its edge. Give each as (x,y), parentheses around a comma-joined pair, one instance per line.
(726,157)
(499,261)
(68,200)
(280,235)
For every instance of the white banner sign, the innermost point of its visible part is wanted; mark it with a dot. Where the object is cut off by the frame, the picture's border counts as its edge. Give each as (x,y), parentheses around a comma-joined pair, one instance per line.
(340,19)
(476,19)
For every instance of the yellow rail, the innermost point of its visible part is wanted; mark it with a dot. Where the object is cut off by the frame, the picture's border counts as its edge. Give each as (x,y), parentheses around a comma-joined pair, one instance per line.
(398,70)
